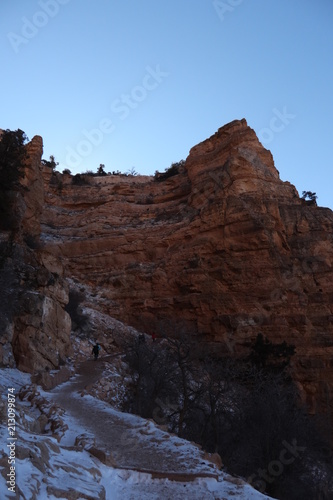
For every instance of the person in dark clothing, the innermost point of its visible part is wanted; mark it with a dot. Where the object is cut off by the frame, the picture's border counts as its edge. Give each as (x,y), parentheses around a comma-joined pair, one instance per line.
(96,349)
(141,338)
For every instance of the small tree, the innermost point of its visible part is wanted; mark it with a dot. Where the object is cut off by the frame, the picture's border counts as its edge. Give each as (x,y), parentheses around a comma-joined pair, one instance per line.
(12,159)
(12,156)
(132,171)
(174,169)
(101,169)
(50,163)
(150,376)
(309,197)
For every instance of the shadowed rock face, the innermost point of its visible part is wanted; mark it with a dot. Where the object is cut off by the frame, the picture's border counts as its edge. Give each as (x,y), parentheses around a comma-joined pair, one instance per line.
(34,326)
(223,250)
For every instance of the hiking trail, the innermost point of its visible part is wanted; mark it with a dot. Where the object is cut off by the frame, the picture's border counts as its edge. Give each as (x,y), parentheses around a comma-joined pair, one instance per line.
(128,441)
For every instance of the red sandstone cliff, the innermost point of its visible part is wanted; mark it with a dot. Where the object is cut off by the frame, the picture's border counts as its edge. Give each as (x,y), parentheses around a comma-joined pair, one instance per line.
(34,327)
(223,250)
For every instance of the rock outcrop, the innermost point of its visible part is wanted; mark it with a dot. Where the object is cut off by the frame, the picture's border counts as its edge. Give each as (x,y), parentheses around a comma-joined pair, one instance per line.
(222,250)
(35,328)
(33,194)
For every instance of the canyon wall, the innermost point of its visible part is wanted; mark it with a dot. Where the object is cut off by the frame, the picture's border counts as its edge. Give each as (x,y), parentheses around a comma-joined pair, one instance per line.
(223,250)
(35,328)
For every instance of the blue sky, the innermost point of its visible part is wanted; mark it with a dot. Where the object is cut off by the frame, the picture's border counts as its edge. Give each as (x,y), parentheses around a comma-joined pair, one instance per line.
(137,83)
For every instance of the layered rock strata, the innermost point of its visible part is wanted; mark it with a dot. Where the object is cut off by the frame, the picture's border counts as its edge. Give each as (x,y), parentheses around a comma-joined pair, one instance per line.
(35,328)
(223,250)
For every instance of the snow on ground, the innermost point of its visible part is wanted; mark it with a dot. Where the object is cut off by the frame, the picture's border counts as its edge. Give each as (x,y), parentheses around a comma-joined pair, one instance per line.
(144,430)
(48,469)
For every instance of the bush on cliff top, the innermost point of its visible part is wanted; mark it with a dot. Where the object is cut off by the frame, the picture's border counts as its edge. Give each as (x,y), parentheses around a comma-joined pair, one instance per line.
(12,156)
(174,169)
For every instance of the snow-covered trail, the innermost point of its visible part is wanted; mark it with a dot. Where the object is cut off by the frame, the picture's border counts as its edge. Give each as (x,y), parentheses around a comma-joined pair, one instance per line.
(128,441)
(53,466)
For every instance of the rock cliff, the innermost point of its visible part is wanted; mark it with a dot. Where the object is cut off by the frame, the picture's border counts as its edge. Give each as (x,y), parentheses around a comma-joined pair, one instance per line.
(35,328)
(223,250)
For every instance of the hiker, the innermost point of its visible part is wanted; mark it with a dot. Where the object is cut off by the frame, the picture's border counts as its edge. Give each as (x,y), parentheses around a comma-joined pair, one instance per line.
(141,338)
(153,336)
(96,349)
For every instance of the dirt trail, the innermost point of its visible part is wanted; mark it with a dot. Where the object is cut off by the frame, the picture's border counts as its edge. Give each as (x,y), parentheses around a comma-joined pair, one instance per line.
(128,443)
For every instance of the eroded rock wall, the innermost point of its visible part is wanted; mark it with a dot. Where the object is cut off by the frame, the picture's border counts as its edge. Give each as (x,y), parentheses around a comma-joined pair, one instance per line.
(35,328)
(223,250)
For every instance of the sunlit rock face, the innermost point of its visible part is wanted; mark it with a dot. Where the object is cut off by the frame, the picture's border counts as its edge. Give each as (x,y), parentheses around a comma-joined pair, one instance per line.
(223,250)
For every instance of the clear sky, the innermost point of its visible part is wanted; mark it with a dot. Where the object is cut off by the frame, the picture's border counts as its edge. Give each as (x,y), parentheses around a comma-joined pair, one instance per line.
(137,83)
